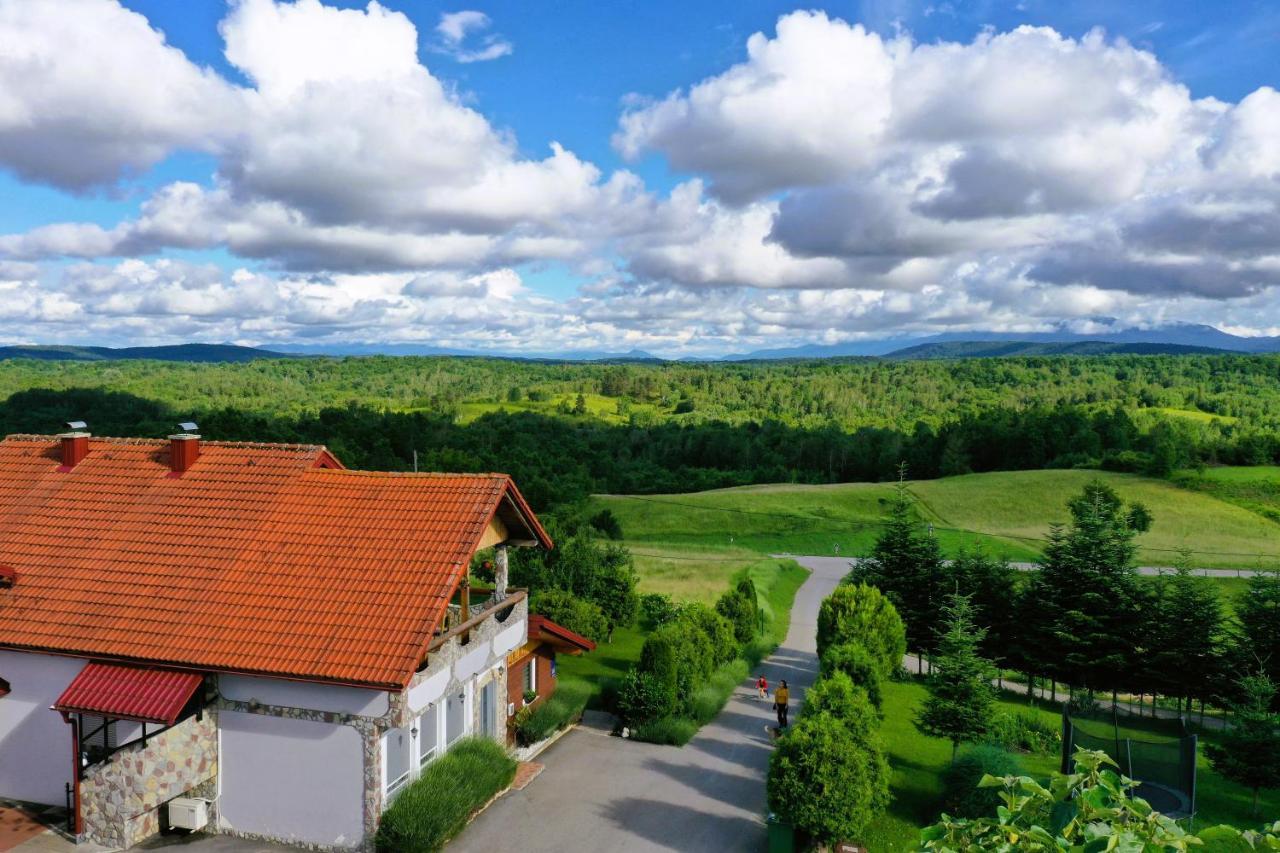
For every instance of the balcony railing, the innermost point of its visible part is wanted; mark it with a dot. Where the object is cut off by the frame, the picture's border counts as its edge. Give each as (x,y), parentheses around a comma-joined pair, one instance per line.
(455,622)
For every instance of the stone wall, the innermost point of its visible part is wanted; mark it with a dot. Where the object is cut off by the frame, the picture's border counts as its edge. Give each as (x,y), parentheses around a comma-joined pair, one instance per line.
(120,797)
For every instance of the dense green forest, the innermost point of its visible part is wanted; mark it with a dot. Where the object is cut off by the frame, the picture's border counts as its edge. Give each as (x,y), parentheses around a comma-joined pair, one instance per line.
(566,430)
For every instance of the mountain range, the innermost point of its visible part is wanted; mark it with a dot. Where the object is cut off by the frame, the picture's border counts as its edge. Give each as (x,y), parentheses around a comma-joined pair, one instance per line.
(1182,338)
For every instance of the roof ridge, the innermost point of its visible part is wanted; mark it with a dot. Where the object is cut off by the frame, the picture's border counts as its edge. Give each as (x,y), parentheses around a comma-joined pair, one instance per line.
(272,445)
(458,475)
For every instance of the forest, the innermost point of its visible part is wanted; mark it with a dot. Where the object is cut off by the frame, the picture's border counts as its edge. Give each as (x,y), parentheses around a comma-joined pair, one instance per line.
(568,430)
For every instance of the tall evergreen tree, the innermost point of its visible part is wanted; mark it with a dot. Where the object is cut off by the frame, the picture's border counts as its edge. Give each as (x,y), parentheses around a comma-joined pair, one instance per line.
(1258,612)
(1248,751)
(906,565)
(1186,635)
(1085,598)
(992,587)
(960,694)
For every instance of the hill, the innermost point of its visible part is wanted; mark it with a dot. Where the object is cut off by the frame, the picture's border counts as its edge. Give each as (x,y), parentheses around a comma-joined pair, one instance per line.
(176,352)
(1012,349)
(1008,513)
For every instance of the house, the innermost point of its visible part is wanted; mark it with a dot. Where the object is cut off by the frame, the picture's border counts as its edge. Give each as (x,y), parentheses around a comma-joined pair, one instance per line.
(531,669)
(250,624)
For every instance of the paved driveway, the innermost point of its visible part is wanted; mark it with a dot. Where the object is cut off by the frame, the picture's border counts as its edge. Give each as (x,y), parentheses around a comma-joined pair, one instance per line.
(603,793)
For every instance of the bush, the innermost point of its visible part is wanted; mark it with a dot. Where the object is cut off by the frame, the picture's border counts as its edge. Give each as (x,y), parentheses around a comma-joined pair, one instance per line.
(657,609)
(853,659)
(566,609)
(741,614)
(561,709)
(711,697)
(718,630)
(861,613)
(669,731)
(837,696)
(607,523)
(1025,733)
(826,782)
(643,697)
(961,796)
(437,806)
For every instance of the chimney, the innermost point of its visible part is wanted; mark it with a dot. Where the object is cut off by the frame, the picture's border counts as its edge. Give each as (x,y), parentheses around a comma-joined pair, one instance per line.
(184,448)
(75,445)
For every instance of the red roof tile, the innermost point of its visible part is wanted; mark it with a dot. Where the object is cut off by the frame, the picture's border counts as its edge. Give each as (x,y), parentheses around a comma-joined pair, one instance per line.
(143,694)
(255,560)
(542,629)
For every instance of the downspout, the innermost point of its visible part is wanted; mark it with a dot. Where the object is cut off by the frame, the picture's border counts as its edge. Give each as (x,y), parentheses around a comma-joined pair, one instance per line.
(77,819)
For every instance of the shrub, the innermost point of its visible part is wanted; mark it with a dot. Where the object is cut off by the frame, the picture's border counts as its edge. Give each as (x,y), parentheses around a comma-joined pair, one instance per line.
(436,807)
(718,630)
(711,697)
(643,697)
(837,695)
(961,796)
(669,731)
(826,782)
(607,523)
(566,609)
(657,609)
(853,659)
(561,709)
(860,612)
(1025,733)
(741,614)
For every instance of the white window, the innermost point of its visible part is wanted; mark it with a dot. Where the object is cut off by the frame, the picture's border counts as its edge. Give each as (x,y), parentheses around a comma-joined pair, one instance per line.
(531,675)
(428,735)
(455,717)
(396,761)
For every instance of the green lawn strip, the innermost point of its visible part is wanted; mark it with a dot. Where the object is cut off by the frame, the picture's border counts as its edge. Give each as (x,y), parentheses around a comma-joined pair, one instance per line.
(606,665)
(1006,512)
(918,764)
(777,582)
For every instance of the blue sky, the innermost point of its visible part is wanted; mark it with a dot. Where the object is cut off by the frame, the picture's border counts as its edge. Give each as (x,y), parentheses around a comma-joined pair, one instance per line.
(183,197)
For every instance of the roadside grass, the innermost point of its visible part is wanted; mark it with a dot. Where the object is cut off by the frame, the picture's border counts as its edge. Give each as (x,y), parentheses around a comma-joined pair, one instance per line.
(1009,513)
(919,761)
(603,669)
(777,582)
(693,573)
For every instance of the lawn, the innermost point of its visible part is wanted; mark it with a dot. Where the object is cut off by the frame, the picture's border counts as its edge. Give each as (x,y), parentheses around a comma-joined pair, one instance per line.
(599,408)
(1009,513)
(918,762)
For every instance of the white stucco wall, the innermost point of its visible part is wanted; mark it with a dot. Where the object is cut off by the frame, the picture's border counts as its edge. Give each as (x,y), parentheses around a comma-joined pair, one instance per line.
(291,779)
(35,744)
(300,694)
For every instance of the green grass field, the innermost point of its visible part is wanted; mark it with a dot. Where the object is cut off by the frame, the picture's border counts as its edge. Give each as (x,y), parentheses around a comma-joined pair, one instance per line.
(918,762)
(1008,513)
(599,408)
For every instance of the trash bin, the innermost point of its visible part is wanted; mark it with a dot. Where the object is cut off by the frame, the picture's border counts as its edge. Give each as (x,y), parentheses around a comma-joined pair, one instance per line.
(782,835)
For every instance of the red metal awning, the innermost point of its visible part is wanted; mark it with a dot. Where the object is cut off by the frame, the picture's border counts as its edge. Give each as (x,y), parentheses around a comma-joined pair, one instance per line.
(543,630)
(141,694)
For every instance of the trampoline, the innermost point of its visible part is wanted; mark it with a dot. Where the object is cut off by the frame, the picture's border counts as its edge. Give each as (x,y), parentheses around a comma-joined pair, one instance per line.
(1165,768)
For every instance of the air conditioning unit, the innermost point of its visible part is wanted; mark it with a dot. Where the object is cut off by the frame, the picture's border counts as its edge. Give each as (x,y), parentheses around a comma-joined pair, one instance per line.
(188,813)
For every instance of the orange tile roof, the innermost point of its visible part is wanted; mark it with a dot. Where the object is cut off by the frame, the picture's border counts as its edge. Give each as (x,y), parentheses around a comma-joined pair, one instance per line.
(262,558)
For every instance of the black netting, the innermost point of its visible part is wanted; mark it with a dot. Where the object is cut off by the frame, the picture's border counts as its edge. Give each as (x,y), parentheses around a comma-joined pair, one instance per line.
(1165,768)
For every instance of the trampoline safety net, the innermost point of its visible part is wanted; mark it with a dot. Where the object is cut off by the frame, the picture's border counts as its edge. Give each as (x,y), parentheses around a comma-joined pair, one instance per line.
(1165,769)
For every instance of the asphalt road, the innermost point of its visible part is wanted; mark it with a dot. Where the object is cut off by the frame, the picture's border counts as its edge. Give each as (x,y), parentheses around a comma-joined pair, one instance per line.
(1151,571)
(603,793)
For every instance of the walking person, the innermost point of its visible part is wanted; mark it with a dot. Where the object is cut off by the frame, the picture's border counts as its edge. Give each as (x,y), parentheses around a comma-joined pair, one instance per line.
(762,688)
(780,698)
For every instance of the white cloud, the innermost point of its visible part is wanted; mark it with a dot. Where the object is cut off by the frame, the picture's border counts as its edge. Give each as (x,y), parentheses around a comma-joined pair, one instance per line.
(455,30)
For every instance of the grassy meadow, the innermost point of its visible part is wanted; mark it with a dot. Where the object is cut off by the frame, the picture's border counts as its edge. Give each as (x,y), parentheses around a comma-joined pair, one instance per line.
(1009,513)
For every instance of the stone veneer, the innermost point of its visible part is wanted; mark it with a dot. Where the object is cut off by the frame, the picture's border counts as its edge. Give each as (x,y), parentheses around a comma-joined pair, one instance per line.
(120,798)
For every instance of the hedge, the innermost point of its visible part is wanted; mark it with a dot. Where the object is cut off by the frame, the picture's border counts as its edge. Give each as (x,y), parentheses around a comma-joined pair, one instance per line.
(861,613)
(559,710)
(853,659)
(438,805)
(961,796)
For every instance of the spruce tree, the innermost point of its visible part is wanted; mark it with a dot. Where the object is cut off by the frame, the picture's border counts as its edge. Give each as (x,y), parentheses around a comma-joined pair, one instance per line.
(1248,751)
(1186,635)
(906,565)
(992,587)
(1259,615)
(960,694)
(1085,598)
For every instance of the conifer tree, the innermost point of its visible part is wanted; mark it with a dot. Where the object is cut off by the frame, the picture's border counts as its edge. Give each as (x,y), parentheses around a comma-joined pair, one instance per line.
(1187,630)
(1085,595)
(906,565)
(1259,615)
(1248,751)
(960,694)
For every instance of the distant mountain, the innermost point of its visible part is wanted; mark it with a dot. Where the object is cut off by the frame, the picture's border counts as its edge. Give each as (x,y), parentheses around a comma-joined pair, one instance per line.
(339,350)
(1179,334)
(1004,349)
(176,352)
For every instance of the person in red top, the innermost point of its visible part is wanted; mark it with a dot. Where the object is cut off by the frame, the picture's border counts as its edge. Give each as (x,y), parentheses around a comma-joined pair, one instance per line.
(762,688)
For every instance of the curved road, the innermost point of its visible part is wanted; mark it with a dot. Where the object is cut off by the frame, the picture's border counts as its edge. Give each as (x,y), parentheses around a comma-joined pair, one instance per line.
(603,793)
